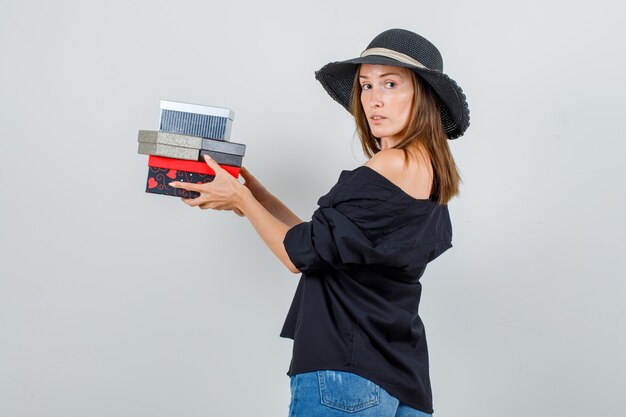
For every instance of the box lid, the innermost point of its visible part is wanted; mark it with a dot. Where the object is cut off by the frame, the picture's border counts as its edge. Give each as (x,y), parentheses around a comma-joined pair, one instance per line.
(166,138)
(198,109)
(232,148)
(188,166)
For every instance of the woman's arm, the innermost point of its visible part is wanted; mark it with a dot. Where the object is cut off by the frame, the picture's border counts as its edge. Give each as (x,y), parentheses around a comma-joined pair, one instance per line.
(271,203)
(226,193)
(271,229)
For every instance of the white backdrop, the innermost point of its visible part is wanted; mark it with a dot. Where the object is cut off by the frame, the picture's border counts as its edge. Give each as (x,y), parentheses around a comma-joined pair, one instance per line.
(114,302)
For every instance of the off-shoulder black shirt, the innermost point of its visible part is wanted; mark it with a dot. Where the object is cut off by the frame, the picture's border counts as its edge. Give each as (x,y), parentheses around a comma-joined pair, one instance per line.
(356,305)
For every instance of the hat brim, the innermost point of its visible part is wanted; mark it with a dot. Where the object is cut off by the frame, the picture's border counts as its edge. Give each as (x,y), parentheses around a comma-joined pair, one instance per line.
(337,79)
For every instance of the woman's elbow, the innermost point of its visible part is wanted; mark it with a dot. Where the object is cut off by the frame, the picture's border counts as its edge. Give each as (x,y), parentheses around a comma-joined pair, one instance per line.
(286,260)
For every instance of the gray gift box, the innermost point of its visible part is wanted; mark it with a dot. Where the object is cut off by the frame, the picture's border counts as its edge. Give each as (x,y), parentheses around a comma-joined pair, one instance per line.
(196,120)
(169,151)
(224,147)
(172,145)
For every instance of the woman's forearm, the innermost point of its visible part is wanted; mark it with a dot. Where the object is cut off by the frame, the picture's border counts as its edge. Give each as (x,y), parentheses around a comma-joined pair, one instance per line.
(271,203)
(271,228)
(278,209)
(226,193)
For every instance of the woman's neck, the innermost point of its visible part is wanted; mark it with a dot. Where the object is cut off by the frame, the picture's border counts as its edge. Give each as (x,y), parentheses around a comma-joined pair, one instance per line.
(388,143)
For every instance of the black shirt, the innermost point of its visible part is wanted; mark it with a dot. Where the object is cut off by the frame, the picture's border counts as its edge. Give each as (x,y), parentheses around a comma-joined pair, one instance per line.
(356,306)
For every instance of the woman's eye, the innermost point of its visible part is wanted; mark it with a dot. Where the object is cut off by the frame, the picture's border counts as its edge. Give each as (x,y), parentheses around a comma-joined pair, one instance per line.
(390,84)
(366,86)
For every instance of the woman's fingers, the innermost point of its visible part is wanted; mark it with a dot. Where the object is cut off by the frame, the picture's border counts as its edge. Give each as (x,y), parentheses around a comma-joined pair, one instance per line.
(245,173)
(248,176)
(199,188)
(252,183)
(194,202)
(186,186)
(212,163)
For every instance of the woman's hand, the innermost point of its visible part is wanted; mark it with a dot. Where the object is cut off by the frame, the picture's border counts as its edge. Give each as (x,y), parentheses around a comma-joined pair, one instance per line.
(223,193)
(256,188)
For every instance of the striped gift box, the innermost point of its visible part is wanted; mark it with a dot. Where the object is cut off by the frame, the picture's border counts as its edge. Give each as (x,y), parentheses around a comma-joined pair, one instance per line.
(196,120)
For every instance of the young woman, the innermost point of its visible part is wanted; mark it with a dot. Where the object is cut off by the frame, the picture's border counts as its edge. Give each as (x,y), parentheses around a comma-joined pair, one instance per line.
(359,343)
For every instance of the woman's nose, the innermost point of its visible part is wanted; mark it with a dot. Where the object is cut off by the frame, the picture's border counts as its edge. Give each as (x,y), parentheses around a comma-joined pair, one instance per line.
(375,98)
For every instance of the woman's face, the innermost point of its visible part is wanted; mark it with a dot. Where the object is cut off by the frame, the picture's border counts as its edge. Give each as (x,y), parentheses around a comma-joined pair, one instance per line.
(386,96)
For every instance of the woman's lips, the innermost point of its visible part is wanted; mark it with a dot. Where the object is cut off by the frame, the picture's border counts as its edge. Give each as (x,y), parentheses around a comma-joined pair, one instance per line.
(376,118)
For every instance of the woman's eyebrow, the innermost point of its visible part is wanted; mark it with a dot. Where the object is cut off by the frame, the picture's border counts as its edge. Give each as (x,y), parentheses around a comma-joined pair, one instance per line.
(390,73)
(383,75)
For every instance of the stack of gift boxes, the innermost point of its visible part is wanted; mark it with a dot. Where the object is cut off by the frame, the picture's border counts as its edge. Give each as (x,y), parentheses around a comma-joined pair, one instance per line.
(176,151)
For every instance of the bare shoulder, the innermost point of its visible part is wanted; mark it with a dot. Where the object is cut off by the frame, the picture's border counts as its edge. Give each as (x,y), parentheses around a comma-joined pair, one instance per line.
(414,178)
(389,163)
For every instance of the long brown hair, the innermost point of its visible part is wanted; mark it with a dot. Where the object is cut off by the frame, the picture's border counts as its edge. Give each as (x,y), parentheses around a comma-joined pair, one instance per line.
(423,132)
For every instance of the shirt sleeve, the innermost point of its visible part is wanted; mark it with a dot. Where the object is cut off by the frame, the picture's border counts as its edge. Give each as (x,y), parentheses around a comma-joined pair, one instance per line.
(366,220)
(321,242)
(331,239)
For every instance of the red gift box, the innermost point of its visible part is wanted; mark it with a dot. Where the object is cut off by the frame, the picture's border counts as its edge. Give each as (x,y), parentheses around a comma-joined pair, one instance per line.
(188,166)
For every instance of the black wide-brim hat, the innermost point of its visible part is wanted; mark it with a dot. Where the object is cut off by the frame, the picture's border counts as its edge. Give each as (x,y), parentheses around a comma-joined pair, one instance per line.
(402,48)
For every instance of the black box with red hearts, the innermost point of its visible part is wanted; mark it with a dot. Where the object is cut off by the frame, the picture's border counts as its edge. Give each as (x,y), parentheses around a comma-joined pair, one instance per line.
(159,179)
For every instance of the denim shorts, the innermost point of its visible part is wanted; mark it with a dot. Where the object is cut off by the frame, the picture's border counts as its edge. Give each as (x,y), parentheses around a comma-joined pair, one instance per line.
(342,394)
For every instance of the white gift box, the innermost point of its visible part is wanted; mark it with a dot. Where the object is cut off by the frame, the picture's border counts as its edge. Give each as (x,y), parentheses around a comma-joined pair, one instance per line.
(196,120)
